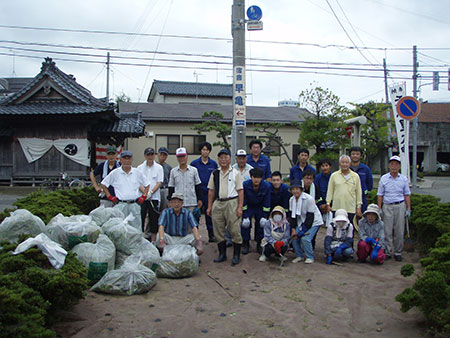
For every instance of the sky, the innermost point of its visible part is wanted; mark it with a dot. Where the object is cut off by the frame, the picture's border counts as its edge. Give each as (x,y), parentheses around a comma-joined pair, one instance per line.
(190,40)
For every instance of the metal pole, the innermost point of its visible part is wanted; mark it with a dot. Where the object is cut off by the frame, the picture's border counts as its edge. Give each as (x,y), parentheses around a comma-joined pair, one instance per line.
(388,113)
(238,33)
(107,77)
(415,120)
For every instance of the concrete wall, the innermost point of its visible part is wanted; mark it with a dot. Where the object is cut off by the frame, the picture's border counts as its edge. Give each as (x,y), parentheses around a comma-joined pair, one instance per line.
(432,138)
(191,99)
(137,146)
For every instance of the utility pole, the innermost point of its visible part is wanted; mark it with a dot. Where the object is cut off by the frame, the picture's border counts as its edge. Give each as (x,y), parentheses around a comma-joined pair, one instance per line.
(415,120)
(239,87)
(388,113)
(107,78)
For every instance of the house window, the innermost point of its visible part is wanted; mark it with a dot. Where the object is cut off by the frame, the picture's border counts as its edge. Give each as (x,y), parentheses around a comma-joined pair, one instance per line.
(193,142)
(172,142)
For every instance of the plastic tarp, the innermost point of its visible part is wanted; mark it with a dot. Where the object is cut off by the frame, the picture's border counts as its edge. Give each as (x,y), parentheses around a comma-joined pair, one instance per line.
(131,278)
(99,258)
(178,261)
(20,221)
(69,231)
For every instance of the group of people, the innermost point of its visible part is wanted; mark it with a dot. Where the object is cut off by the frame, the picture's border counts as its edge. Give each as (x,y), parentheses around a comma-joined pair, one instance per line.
(168,202)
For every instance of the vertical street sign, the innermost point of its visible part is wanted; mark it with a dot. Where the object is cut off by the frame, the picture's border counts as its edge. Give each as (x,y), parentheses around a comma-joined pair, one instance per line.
(239,96)
(435,80)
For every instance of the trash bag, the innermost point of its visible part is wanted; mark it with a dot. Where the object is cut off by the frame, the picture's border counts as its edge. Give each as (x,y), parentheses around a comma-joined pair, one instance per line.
(131,209)
(120,258)
(148,255)
(20,221)
(101,214)
(99,258)
(125,237)
(178,261)
(132,278)
(55,253)
(70,231)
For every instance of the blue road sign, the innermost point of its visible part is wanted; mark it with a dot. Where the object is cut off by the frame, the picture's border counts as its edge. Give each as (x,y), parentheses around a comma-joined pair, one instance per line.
(254,13)
(408,107)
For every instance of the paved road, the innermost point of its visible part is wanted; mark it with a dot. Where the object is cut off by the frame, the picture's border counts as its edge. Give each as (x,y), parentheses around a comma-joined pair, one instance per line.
(440,188)
(8,195)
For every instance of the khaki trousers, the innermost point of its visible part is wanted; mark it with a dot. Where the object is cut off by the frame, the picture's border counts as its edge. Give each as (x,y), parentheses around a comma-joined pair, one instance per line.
(223,214)
(394,227)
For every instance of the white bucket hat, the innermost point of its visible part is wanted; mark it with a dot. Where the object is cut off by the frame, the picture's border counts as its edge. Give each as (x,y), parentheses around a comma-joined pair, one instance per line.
(374,209)
(340,215)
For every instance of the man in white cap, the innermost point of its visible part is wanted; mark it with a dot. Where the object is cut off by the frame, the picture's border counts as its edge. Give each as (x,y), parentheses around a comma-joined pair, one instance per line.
(371,236)
(127,181)
(242,165)
(338,243)
(184,179)
(394,199)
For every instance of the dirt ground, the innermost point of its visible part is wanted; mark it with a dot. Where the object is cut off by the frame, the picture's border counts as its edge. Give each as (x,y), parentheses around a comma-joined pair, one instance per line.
(256,299)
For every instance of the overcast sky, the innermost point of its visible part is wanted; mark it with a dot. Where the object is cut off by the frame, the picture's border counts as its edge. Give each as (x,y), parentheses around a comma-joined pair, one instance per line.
(388,28)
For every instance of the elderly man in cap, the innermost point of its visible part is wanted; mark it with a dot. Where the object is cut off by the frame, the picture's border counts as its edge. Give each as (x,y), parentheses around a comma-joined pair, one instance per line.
(184,179)
(225,200)
(371,236)
(394,199)
(242,165)
(127,182)
(102,170)
(163,152)
(305,219)
(205,166)
(338,243)
(154,172)
(177,225)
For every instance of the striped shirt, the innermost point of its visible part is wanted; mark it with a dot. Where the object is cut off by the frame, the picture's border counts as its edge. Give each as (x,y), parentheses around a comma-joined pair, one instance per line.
(180,225)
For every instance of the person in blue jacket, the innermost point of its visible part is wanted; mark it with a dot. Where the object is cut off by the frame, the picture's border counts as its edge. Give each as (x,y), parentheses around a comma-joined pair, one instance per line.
(279,192)
(205,166)
(296,172)
(364,172)
(258,160)
(321,181)
(257,205)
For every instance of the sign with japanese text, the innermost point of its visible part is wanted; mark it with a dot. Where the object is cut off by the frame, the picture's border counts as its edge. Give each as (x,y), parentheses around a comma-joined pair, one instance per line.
(239,96)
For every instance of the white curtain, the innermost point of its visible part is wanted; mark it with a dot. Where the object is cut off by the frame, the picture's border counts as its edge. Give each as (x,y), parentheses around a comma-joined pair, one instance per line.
(75,149)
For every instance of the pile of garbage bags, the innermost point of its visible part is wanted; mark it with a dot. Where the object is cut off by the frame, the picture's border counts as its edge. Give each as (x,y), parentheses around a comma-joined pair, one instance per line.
(107,241)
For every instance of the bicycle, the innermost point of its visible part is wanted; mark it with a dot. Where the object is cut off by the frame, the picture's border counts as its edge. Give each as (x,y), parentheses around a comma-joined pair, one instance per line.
(65,181)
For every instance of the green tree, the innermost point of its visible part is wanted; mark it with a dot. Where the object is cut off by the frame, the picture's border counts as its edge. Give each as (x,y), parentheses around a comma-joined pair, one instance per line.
(122,97)
(274,140)
(324,130)
(374,134)
(214,121)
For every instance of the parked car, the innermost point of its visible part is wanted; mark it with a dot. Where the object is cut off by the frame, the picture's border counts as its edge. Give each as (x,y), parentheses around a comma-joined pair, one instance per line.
(442,166)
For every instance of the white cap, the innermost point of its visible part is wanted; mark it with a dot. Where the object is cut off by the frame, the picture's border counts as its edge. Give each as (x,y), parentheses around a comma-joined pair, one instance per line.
(241,152)
(395,158)
(181,152)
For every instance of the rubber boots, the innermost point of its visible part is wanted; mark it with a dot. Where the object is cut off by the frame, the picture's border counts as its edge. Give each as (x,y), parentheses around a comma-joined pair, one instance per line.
(211,238)
(245,247)
(222,252)
(236,254)
(258,246)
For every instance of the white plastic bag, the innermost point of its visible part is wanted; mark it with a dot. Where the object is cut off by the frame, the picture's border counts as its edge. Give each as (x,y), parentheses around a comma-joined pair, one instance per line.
(131,209)
(20,221)
(132,278)
(178,261)
(70,231)
(125,237)
(148,255)
(101,214)
(99,258)
(55,253)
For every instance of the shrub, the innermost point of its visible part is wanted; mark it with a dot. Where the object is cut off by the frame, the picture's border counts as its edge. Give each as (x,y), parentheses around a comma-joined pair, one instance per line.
(32,291)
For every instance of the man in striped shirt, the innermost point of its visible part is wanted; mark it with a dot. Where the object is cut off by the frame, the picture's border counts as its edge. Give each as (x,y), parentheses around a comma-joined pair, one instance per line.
(177,225)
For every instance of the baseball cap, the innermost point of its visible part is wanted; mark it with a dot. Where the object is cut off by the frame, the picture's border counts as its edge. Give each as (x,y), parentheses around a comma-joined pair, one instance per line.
(181,152)
(224,151)
(395,158)
(297,184)
(111,150)
(126,153)
(149,151)
(177,195)
(163,150)
(241,152)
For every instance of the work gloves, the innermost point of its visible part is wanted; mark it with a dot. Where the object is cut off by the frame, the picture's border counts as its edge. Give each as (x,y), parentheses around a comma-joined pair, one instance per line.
(246,223)
(263,221)
(278,245)
(142,199)
(370,240)
(113,199)
(339,250)
(408,213)
(301,231)
(329,259)
(199,246)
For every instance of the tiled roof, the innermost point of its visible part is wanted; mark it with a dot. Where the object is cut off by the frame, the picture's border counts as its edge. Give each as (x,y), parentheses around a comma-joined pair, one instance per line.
(130,124)
(435,112)
(184,112)
(65,82)
(14,84)
(192,88)
(51,108)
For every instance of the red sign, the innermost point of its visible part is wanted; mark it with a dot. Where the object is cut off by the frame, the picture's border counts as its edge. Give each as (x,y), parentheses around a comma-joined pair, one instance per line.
(349,130)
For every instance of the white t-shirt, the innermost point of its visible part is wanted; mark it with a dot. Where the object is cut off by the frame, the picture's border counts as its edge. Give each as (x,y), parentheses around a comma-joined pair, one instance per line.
(305,204)
(126,186)
(155,174)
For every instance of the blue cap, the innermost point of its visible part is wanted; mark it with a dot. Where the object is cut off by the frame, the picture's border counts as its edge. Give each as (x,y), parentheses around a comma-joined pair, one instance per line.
(163,150)
(297,184)
(224,151)
(126,153)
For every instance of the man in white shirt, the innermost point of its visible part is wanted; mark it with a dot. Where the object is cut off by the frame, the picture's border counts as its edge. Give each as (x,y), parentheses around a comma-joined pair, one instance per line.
(126,181)
(155,173)
(242,165)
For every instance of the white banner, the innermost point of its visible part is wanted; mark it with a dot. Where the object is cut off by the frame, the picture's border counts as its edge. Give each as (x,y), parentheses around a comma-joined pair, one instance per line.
(75,149)
(397,91)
